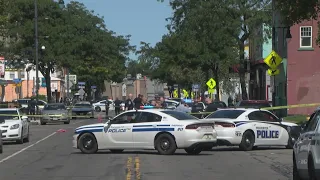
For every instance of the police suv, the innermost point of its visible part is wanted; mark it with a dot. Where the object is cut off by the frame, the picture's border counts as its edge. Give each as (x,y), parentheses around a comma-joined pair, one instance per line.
(160,129)
(306,150)
(249,128)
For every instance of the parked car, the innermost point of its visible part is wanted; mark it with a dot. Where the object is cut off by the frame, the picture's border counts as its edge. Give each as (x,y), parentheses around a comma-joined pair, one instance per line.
(82,108)
(55,112)
(101,105)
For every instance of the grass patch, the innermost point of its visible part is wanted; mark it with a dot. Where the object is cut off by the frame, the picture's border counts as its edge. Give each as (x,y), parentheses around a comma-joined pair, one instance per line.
(298,119)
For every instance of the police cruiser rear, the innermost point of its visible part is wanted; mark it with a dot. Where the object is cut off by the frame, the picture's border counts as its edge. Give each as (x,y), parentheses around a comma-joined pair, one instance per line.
(159,129)
(250,128)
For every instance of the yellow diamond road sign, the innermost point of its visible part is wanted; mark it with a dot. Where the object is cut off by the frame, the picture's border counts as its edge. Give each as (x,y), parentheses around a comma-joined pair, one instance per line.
(273,72)
(273,60)
(211,83)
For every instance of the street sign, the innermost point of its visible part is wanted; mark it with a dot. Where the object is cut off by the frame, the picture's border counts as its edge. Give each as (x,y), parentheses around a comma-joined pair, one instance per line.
(16,81)
(211,83)
(272,72)
(81,83)
(175,93)
(175,86)
(185,93)
(195,87)
(211,90)
(93,87)
(273,60)
(72,78)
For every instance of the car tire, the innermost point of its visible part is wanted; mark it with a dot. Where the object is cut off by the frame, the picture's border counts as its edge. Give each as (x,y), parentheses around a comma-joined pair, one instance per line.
(27,139)
(247,142)
(295,173)
(97,109)
(311,169)
(116,150)
(42,123)
(290,144)
(193,151)
(1,149)
(165,144)
(68,122)
(20,141)
(87,143)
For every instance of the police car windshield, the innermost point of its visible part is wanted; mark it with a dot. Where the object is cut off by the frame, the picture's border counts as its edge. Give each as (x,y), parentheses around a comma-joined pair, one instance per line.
(226,114)
(180,115)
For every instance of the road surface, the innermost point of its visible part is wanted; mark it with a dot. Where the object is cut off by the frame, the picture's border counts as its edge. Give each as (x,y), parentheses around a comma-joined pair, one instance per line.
(50,156)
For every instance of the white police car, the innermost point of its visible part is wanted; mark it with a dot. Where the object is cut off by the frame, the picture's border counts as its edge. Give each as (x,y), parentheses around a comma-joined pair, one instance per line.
(306,150)
(250,128)
(163,130)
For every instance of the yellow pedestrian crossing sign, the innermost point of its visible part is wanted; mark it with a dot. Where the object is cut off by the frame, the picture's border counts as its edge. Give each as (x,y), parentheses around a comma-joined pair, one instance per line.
(185,93)
(274,72)
(273,60)
(211,83)
(175,93)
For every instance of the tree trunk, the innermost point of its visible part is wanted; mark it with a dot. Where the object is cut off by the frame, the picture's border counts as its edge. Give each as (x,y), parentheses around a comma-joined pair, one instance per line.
(242,74)
(48,83)
(216,78)
(3,89)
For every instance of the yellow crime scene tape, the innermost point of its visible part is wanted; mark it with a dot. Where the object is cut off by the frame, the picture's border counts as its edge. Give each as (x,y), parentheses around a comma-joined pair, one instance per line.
(274,108)
(44,115)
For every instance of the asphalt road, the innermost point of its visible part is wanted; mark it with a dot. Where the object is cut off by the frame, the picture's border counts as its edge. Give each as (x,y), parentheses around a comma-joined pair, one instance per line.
(50,156)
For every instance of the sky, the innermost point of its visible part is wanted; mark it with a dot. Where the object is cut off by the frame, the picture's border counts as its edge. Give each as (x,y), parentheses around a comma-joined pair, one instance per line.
(144,20)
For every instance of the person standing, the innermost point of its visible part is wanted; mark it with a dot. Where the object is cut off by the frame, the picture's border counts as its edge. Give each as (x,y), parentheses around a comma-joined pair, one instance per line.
(129,103)
(138,101)
(107,105)
(183,107)
(32,106)
(117,104)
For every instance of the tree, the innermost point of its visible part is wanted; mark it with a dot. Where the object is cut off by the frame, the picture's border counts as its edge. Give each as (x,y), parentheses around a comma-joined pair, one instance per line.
(236,19)
(297,11)
(197,46)
(76,39)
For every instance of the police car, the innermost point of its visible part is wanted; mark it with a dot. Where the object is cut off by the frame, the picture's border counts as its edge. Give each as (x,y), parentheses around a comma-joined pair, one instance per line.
(306,150)
(249,128)
(160,129)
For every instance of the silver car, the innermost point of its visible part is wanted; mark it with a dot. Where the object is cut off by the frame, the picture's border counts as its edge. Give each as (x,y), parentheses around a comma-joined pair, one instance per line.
(306,150)
(55,112)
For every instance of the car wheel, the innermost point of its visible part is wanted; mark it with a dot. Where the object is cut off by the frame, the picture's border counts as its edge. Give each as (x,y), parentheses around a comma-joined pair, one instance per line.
(87,143)
(165,144)
(97,109)
(68,122)
(290,144)
(247,141)
(20,141)
(116,150)
(42,123)
(295,172)
(27,139)
(311,169)
(193,151)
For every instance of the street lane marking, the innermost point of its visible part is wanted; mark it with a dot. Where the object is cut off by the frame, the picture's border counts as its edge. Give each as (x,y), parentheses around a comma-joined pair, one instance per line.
(137,167)
(22,150)
(129,172)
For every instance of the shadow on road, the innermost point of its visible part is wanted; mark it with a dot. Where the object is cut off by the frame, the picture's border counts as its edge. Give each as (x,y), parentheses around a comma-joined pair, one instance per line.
(143,152)
(238,149)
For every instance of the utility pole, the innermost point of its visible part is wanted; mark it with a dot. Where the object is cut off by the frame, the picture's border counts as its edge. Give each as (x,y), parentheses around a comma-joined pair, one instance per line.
(37,48)
(68,85)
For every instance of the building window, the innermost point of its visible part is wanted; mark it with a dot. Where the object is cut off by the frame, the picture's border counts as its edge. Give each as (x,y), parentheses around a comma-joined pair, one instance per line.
(22,75)
(12,75)
(305,36)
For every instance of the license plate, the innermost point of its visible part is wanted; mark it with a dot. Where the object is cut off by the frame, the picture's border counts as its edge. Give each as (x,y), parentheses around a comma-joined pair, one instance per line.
(208,137)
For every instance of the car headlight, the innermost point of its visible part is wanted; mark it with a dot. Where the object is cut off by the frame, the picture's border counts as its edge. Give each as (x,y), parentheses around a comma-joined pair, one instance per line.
(16,126)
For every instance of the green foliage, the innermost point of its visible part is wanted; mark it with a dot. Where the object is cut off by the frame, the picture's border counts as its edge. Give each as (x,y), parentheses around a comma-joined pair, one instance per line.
(74,38)
(294,12)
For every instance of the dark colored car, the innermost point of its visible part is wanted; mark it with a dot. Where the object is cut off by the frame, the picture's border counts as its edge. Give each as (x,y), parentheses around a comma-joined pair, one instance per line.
(253,104)
(82,108)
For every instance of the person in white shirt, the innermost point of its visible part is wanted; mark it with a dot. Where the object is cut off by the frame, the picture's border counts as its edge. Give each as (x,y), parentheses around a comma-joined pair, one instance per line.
(183,107)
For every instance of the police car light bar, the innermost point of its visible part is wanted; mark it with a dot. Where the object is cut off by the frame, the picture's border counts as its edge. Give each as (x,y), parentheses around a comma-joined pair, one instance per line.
(146,107)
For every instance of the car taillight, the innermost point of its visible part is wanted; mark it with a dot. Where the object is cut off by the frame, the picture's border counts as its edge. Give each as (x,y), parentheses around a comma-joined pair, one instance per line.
(224,124)
(195,126)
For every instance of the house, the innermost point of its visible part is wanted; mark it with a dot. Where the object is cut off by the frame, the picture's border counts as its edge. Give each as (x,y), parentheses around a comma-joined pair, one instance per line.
(303,67)
(260,47)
